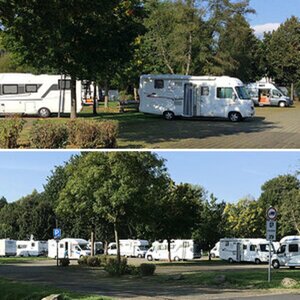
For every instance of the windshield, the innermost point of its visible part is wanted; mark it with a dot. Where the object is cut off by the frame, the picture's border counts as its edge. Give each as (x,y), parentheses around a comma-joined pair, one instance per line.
(144,247)
(266,248)
(84,247)
(242,93)
(283,90)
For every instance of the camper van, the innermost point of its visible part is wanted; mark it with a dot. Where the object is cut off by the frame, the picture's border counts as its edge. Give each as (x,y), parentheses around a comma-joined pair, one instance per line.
(288,251)
(36,94)
(245,250)
(8,247)
(191,96)
(180,250)
(215,251)
(266,93)
(70,248)
(130,248)
(32,248)
(98,247)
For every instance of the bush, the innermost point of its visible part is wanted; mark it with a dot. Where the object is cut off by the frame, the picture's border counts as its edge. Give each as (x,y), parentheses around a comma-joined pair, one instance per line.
(147,269)
(133,270)
(83,260)
(104,259)
(88,134)
(93,261)
(64,262)
(10,129)
(115,268)
(47,134)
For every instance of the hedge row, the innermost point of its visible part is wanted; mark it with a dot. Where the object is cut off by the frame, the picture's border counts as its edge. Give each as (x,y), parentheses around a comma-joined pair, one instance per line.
(46,134)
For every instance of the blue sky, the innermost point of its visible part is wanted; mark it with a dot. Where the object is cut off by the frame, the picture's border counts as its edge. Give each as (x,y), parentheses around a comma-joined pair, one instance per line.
(229,175)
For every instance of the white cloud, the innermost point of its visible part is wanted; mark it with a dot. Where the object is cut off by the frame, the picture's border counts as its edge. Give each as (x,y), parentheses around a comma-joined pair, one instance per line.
(260,29)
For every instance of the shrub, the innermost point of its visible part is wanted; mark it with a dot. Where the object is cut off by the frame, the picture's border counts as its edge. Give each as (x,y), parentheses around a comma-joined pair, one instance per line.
(88,134)
(133,270)
(93,261)
(147,269)
(64,262)
(47,134)
(115,268)
(104,259)
(82,260)
(10,129)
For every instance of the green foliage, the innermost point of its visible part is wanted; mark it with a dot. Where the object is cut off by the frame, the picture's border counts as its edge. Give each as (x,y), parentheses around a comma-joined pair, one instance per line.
(93,261)
(46,134)
(10,129)
(147,269)
(114,267)
(133,270)
(87,134)
(64,262)
(83,260)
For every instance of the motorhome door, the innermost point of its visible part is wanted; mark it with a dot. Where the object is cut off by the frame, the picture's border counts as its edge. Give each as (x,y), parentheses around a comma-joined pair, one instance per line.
(189,103)
(238,252)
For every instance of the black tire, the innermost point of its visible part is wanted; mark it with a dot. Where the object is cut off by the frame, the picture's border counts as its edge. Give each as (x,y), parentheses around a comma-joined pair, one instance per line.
(176,258)
(212,255)
(235,116)
(257,261)
(282,104)
(140,256)
(44,112)
(230,260)
(275,264)
(169,115)
(149,258)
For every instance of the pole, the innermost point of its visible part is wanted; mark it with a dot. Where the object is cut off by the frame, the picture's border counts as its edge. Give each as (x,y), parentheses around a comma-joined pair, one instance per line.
(269,271)
(57,253)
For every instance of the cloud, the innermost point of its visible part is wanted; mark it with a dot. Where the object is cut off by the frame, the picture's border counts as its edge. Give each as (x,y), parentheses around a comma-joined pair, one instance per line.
(260,29)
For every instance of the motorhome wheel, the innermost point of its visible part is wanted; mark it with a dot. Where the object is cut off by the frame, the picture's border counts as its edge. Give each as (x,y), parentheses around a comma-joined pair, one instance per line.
(44,112)
(176,258)
(169,115)
(149,257)
(235,116)
(140,256)
(230,260)
(282,104)
(257,261)
(275,264)
(212,255)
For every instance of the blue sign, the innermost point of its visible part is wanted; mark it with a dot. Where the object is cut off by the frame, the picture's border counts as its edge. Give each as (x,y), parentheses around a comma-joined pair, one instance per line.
(57,233)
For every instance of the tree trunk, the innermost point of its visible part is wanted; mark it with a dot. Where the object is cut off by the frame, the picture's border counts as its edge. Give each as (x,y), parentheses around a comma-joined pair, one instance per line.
(189,57)
(105,250)
(117,242)
(169,250)
(292,91)
(92,243)
(95,100)
(73,98)
(106,95)
(136,95)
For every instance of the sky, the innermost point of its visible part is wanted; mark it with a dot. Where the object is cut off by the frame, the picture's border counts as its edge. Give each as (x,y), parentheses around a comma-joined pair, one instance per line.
(229,175)
(271,13)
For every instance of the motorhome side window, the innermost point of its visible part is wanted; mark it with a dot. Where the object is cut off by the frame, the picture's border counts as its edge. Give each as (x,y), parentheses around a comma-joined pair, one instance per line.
(252,247)
(225,93)
(293,248)
(158,84)
(61,246)
(204,91)
(64,84)
(9,89)
(31,88)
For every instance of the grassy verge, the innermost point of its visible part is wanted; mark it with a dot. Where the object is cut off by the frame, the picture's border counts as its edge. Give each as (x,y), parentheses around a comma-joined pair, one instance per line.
(12,290)
(17,260)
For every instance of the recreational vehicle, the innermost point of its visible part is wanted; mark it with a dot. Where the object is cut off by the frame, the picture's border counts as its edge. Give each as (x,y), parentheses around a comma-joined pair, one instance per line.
(32,248)
(70,248)
(245,250)
(37,94)
(215,251)
(180,250)
(191,96)
(8,247)
(288,252)
(267,93)
(98,247)
(130,248)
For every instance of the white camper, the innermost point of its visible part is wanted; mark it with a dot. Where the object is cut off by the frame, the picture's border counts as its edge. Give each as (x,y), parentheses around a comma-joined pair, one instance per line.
(180,250)
(215,251)
(36,94)
(32,248)
(267,93)
(288,252)
(130,248)
(191,96)
(70,248)
(245,250)
(8,247)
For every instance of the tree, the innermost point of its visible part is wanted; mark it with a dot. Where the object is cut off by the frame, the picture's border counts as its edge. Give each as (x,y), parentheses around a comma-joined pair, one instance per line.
(3,202)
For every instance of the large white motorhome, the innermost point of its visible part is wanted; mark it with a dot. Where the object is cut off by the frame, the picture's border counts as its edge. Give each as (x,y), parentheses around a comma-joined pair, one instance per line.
(192,96)
(8,247)
(245,250)
(32,248)
(215,251)
(180,250)
(289,249)
(130,248)
(70,248)
(267,93)
(43,95)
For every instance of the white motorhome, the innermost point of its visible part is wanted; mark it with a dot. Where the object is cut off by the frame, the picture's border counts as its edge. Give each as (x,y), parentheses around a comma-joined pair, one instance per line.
(8,247)
(192,96)
(180,250)
(98,247)
(70,248)
(215,251)
(130,248)
(245,250)
(36,94)
(267,93)
(288,251)
(32,248)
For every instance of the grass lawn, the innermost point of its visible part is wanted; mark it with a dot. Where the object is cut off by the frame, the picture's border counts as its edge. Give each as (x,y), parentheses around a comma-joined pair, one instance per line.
(16,260)
(13,290)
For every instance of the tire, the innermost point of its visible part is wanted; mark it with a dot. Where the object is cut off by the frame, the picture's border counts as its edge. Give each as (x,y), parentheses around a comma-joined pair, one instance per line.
(275,264)
(176,258)
(44,112)
(169,115)
(292,267)
(140,256)
(282,104)
(230,260)
(234,116)
(149,258)
(213,255)
(257,261)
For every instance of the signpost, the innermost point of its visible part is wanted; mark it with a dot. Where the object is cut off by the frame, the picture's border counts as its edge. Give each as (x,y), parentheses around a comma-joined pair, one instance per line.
(57,236)
(271,233)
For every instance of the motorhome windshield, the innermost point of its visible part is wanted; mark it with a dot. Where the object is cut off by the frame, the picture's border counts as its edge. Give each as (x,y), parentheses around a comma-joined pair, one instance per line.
(243,93)
(144,247)
(284,91)
(84,246)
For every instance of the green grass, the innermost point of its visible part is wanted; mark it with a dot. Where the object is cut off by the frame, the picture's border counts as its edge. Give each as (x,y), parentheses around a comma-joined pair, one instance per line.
(16,260)
(13,290)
